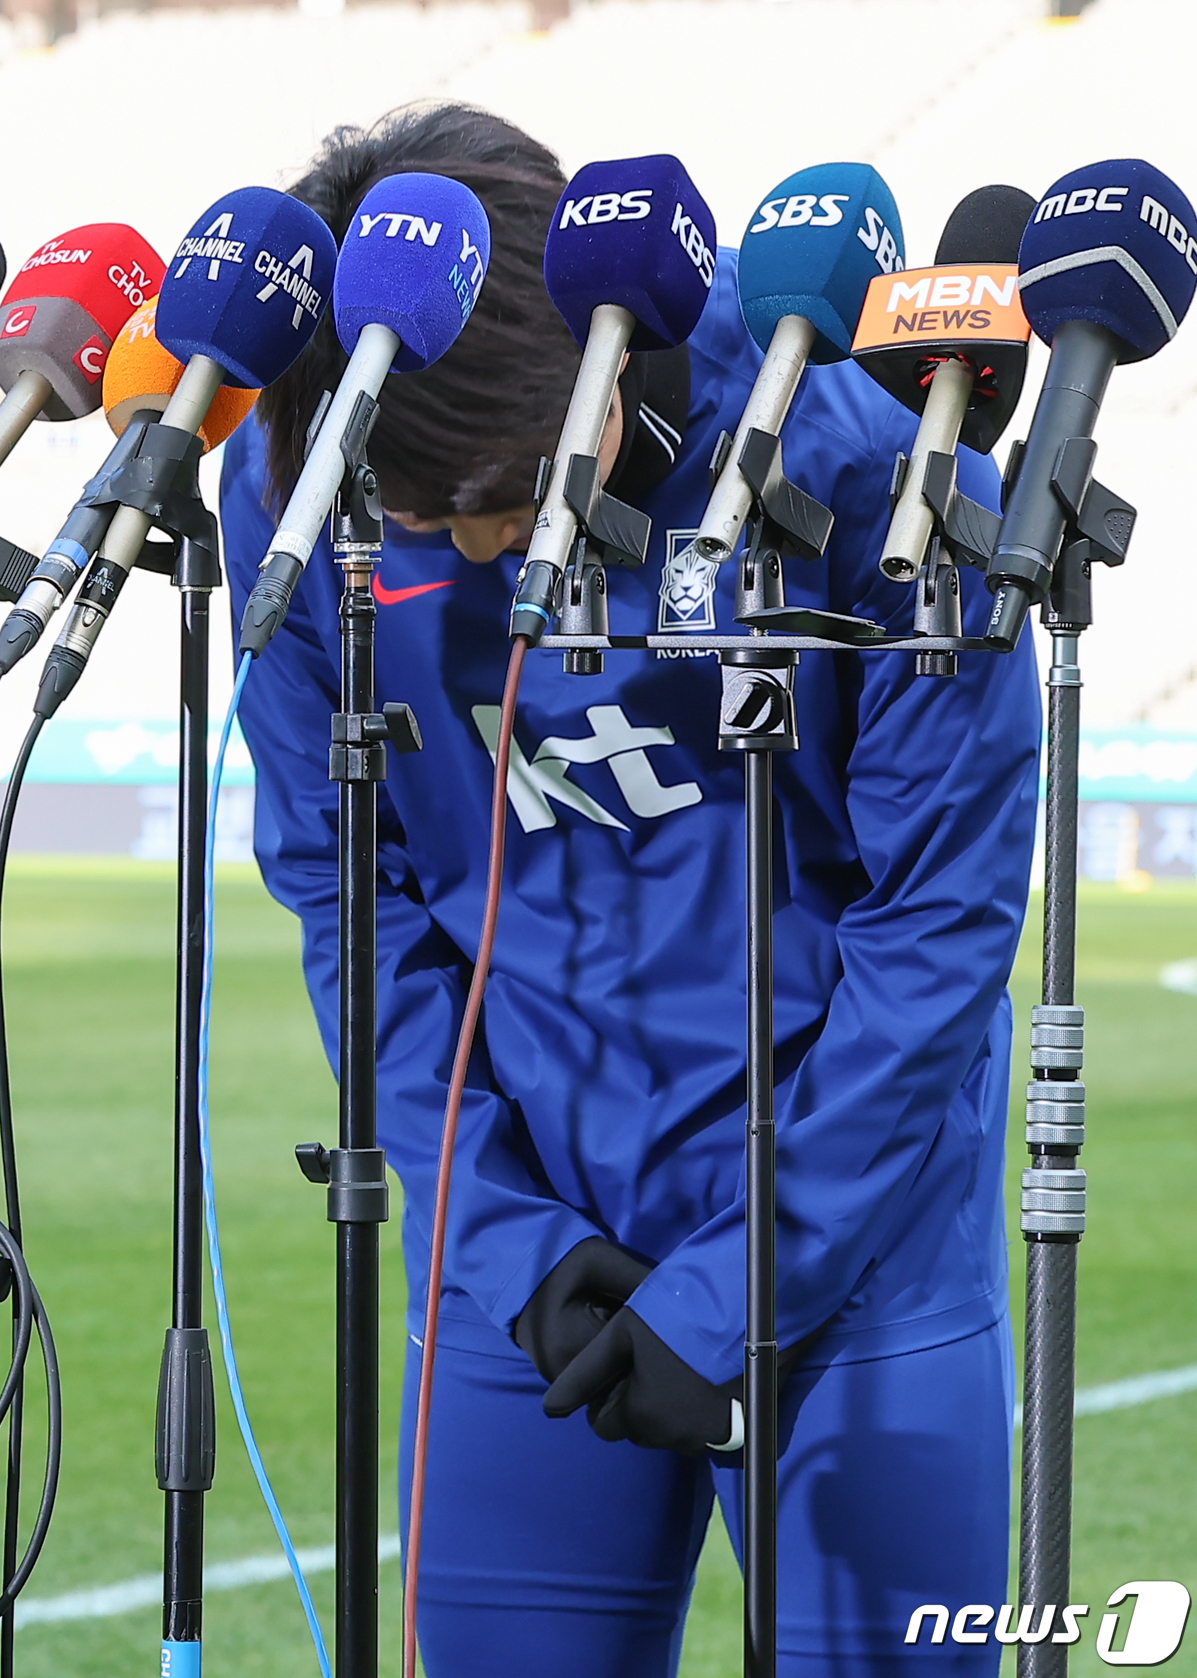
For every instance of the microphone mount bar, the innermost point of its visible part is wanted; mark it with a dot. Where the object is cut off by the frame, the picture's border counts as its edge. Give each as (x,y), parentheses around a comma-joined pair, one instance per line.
(797,643)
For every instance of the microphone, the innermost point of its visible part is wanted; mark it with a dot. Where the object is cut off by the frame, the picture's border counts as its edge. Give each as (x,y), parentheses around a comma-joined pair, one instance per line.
(142,376)
(1108,269)
(139,379)
(806,261)
(242,296)
(629,264)
(407,279)
(950,342)
(59,317)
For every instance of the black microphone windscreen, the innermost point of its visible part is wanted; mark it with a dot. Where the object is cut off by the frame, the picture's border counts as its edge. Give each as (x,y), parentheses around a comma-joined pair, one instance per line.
(987,226)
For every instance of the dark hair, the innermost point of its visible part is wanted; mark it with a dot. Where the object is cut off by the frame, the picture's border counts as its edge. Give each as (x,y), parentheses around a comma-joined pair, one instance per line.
(465,435)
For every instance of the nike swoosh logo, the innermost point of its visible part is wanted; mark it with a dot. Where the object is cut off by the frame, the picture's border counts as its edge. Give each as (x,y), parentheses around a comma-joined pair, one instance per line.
(392,596)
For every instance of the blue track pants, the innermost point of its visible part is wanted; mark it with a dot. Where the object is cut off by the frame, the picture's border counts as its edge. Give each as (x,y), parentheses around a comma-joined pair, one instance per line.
(550,1554)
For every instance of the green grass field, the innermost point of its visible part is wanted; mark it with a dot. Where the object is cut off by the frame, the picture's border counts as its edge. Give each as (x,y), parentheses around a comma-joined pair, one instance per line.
(89,962)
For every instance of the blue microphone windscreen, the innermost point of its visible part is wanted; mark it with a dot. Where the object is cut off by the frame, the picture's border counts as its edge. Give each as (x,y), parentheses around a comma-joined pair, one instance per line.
(414,259)
(811,249)
(248,285)
(1114,243)
(635,232)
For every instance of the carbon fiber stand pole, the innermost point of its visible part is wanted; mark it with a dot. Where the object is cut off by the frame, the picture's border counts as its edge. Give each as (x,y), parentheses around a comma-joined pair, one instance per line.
(185,1446)
(760,1346)
(1053,1188)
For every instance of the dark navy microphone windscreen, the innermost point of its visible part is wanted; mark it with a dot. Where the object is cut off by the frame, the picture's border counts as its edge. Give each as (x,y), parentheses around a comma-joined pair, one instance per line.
(248,285)
(986,226)
(1114,243)
(3,268)
(414,259)
(635,232)
(811,249)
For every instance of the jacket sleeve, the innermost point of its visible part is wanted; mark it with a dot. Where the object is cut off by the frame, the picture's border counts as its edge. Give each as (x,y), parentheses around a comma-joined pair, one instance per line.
(506,1230)
(940,789)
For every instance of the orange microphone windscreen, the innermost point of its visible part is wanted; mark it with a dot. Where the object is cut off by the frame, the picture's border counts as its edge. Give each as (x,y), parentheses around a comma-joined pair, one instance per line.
(141,374)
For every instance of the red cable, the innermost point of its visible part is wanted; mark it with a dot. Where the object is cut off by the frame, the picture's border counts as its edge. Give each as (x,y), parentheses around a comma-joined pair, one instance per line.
(444,1167)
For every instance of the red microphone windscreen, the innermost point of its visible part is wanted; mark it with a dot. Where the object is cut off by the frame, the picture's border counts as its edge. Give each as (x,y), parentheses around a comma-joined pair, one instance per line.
(65,306)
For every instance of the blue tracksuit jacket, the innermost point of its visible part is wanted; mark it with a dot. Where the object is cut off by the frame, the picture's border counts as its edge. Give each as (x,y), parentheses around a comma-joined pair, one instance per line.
(608,1094)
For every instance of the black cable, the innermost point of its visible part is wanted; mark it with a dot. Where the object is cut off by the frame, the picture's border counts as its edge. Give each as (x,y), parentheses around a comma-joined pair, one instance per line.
(28,1311)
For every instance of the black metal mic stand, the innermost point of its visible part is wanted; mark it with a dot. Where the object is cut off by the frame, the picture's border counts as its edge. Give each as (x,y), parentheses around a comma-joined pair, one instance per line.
(186,1429)
(757,718)
(355,1171)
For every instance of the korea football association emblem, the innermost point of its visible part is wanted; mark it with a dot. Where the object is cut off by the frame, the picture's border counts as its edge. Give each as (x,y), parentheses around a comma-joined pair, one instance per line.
(687,585)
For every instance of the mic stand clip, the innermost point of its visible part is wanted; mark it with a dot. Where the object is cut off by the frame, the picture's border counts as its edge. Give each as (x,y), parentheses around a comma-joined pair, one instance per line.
(609,533)
(1093,515)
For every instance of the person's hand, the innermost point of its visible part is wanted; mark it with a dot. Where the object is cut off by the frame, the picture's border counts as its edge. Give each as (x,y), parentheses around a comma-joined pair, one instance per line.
(575,1302)
(634,1387)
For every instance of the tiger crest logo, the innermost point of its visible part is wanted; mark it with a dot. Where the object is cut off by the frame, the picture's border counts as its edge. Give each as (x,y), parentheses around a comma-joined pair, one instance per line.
(687,585)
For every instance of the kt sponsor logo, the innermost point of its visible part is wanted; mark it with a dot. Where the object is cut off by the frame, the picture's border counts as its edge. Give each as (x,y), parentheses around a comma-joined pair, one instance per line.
(1146,1629)
(612,740)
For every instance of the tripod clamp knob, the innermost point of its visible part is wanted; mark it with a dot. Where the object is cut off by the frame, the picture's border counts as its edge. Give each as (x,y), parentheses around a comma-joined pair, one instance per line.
(757,708)
(358,750)
(356,1180)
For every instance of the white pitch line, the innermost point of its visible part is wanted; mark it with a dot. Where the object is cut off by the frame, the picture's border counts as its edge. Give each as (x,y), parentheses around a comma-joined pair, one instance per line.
(1181,976)
(146,1590)
(1139,1389)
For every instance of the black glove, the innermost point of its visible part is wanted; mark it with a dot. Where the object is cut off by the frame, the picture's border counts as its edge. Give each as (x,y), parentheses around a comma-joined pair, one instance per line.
(635,1388)
(575,1302)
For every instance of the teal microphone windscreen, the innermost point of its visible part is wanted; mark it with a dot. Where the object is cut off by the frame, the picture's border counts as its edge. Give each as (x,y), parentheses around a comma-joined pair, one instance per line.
(811,249)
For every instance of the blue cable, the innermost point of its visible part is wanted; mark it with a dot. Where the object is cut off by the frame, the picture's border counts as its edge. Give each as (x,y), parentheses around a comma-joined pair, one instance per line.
(222,1308)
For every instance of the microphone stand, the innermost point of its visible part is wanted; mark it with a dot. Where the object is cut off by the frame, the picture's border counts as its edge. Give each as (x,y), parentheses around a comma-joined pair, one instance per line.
(757,718)
(355,1171)
(186,1429)
(1098,530)
(1053,1187)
